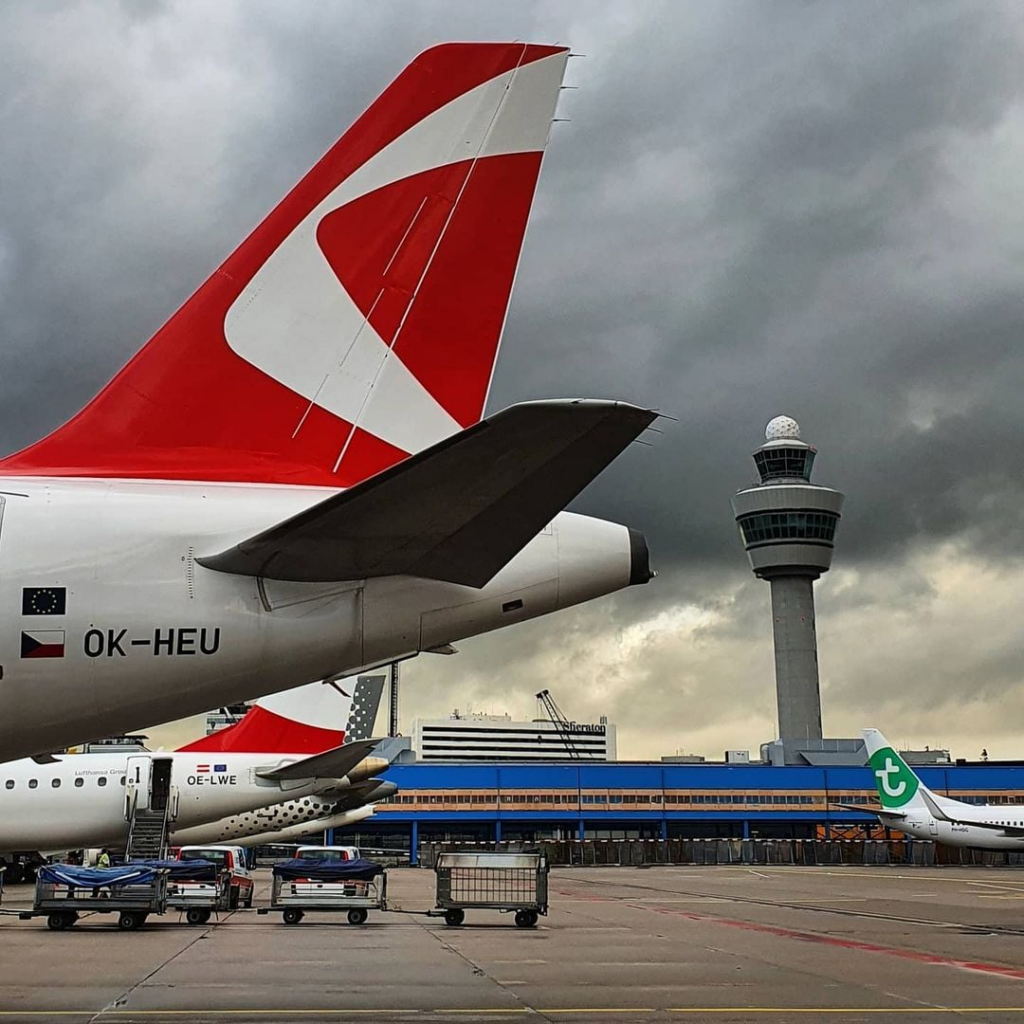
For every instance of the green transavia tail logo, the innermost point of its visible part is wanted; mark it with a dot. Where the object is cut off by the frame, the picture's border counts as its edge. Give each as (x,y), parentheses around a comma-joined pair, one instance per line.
(895,782)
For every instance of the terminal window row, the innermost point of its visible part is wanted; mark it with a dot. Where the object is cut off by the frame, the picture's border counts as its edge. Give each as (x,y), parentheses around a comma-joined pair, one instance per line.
(814,798)
(788,526)
(421,799)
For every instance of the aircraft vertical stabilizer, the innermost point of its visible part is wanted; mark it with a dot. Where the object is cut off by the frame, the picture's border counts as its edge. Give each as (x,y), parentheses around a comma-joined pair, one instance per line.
(360,322)
(307,720)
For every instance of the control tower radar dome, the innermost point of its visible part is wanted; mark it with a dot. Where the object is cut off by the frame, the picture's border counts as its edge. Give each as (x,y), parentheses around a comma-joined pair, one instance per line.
(782,427)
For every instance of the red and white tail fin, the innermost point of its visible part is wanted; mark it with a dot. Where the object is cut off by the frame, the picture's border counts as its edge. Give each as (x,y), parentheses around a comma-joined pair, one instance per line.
(306,720)
(360,322)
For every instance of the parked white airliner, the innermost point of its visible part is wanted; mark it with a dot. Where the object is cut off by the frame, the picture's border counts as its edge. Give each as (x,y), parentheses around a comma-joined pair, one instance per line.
(291,480)
(908,805)
(208,788)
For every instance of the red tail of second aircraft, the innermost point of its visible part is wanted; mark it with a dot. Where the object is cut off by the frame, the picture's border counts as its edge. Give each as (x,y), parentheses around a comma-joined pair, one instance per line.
(360,321)
(307,720)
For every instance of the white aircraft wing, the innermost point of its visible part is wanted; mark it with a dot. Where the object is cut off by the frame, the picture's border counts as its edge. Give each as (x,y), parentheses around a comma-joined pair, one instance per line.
(459,511)
(331,764)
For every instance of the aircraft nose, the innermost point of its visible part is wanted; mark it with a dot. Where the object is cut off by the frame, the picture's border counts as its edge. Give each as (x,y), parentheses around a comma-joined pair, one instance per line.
(640,570)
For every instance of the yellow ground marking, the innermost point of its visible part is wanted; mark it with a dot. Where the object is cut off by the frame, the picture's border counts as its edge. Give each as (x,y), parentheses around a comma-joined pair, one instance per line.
(1011,886)
(520,1011)
(882,874)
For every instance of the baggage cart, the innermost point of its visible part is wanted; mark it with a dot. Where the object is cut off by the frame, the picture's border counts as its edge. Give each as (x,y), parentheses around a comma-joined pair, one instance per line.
(353,887)
(507,882)
(64,892)
(197,888)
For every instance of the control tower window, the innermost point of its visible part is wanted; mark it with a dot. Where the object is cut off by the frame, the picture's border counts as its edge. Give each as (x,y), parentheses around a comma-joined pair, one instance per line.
(776,463)
(774,526)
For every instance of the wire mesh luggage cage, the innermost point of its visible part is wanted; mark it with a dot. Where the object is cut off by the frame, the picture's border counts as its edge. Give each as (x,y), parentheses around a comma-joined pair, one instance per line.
(507,882)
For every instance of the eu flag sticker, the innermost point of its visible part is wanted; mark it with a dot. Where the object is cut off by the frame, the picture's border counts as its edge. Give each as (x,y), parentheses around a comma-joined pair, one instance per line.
(44,600)
(42,643)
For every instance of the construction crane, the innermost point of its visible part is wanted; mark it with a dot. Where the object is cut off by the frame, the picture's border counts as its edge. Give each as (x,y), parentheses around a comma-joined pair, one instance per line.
(560,722)
(393,700)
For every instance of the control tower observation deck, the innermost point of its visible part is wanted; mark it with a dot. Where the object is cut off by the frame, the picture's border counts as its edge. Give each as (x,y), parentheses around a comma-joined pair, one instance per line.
(788,526)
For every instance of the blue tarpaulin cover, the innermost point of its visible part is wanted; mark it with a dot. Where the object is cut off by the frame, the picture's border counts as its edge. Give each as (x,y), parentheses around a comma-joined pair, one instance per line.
(329,871)
(197,870)
(93,878)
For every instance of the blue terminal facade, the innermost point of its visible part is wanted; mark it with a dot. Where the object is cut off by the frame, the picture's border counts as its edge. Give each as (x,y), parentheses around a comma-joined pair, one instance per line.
(531,802)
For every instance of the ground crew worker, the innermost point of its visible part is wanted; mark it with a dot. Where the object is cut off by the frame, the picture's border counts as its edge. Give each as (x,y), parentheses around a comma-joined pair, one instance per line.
(103,861)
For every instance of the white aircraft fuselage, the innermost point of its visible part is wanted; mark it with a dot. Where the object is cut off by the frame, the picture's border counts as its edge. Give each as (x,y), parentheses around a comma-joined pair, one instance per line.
(148,635)
(81,800)
(921,824)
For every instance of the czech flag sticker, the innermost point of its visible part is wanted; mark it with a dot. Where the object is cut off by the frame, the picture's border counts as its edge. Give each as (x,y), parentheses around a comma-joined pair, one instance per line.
(42,643)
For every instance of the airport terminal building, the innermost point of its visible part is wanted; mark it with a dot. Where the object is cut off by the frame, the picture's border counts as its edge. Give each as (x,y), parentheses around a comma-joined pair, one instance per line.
(577,801)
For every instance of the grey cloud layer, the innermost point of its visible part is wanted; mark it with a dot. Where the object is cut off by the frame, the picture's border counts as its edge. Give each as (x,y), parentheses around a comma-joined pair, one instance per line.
(756,208)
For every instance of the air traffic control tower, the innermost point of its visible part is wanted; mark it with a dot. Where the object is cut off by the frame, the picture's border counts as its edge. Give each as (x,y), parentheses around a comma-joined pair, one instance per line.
(788,526)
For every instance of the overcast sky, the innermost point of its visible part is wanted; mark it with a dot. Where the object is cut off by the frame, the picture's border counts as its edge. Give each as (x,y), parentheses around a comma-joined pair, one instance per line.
(756,208)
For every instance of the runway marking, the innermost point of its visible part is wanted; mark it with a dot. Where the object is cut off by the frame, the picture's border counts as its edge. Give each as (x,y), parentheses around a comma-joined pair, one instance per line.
(997,970)
(1011,886)
(830,899)
(880,874)
(850,1011)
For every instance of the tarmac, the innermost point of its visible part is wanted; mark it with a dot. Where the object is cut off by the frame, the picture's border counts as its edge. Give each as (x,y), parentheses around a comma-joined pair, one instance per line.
(724,944)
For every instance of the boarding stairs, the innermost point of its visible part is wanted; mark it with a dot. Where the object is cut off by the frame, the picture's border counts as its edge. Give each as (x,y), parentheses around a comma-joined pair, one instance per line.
(147,835)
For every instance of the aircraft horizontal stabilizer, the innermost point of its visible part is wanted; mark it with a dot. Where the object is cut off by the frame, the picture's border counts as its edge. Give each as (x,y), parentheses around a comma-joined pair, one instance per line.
(940,814)
(331,764)
(881,811)
(459,511)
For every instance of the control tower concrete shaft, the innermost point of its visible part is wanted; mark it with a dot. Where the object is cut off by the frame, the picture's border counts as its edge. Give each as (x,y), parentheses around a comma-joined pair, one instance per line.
(788,527)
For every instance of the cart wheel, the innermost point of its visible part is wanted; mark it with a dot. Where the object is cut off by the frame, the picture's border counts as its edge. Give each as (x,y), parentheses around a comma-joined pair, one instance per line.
(248,901)
(526,918)
(292,916)
(130,920)
(60,920)
(358,915)
(197,915)
(454,917)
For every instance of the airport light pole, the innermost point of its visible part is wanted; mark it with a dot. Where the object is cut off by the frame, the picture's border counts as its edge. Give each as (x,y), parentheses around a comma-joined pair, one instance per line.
(787,525)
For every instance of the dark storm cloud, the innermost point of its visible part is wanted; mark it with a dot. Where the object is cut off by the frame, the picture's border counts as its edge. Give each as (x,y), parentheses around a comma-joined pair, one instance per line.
(756,208)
